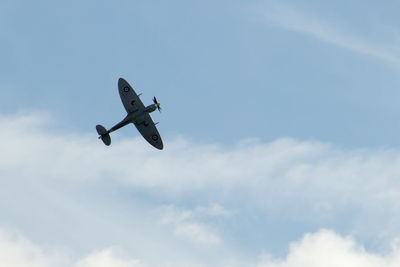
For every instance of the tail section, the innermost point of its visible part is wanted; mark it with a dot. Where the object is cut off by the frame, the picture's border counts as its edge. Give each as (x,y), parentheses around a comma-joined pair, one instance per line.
(104,135)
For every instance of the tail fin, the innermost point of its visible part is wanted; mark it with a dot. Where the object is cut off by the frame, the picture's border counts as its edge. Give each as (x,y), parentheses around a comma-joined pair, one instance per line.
(104,135)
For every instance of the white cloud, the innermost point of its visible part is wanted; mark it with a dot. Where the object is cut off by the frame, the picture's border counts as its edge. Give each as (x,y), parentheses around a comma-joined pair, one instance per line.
(17,251)
(284,16)
(324,248)
(68,188)
(328,249)
(312,182)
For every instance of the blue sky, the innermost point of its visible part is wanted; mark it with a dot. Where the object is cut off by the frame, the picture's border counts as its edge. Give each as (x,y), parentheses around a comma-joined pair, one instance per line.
(280,124)
(223,70)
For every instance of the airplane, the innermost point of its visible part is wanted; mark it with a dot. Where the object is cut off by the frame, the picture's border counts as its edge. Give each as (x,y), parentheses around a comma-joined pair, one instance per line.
(138,114)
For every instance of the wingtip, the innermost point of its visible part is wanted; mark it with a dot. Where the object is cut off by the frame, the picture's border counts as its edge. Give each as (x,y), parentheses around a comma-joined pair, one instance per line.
(158,146)
(121,80)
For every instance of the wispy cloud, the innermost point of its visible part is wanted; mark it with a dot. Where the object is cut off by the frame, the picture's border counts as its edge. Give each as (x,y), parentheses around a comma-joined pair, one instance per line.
(286,17)
(107,258)
(188,223)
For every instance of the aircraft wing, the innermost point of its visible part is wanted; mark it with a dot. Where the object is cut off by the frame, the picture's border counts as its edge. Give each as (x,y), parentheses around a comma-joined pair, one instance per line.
(129,98)
(148,130)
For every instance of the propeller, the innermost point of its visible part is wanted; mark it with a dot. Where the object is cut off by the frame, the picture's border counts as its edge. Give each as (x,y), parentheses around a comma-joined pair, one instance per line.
(157,104)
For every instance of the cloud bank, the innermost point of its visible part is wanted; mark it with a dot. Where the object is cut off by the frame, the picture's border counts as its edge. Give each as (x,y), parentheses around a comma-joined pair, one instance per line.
(324,248)
(192,204)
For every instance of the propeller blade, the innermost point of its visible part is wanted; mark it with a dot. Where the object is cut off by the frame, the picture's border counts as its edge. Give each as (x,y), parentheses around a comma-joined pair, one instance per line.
(157,104)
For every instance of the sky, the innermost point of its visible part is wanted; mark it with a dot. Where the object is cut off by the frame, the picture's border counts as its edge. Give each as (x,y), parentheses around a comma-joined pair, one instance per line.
(280,126)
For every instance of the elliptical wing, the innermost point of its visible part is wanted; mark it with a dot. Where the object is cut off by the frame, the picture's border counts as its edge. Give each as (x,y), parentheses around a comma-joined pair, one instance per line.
(129,98)
(148,130)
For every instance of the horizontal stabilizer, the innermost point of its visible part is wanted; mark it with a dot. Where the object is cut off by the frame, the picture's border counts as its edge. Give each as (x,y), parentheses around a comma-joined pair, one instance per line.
(106,139)
(104,135)
(101,130)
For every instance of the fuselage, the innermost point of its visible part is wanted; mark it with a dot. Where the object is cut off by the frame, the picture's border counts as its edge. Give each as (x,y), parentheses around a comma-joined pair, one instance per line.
(133,117)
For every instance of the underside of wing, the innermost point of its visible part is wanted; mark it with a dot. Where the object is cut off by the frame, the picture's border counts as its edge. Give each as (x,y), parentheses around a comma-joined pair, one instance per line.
(148,130)
(129,98)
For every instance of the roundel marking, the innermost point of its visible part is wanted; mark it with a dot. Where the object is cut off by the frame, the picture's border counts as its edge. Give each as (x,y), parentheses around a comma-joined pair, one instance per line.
(154,137)
(126,89)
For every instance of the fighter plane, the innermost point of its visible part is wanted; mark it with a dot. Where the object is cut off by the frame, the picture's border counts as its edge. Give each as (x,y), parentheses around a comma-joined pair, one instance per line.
(138,114)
